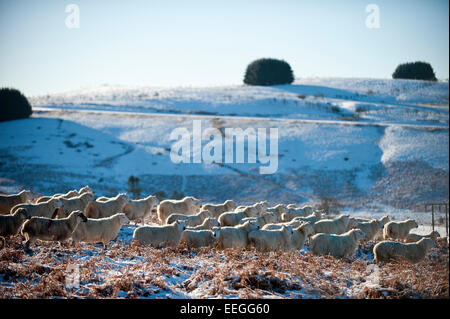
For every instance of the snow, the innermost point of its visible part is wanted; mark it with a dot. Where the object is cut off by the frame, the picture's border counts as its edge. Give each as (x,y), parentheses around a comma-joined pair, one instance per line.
(339,138)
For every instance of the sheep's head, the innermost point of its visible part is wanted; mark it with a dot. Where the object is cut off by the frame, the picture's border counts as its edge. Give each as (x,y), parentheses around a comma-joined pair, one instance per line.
(345,219)
(270,217)
(385,219)
(154,199)
(212,222)
(434,234)
(428,243)
(27,196)
(86,189)
(124,220)
(307,229)
(123,197)
(307,210)
(194,201)
(216,232)
(180,224)
(89,197)
(251,225)
(287,231)
(358,234)
(250,211)
(412,223)
(22,213)
(79,215)
(230,205)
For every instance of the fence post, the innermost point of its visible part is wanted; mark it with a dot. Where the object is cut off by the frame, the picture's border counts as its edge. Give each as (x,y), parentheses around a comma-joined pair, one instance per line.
(432,216)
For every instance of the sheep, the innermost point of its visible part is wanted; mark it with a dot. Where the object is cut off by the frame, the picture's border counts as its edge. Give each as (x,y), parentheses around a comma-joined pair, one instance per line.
(100,230)
(200,238)
(139,210)
(47,229)
(398,230)
(412,238)
(296,212)
(207,224)
(75,203)
(300,235)
(387,251)
(10,224)
(233,218)
(337,225)
(370,228)
(236,237)
(262,220)
(313,218)
(47,209)
(69,194)
(385,219)
(106,199)
(274,226)
(218,209)
(296,222)
(338,246)
(9,201)
(271,240)
(160,235)
(279,210)
(106,209)
(187,206)
(191,220)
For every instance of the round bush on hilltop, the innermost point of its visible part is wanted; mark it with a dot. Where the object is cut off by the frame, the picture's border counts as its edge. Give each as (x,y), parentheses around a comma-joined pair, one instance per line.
(13,105)
(415,71)
(268,72)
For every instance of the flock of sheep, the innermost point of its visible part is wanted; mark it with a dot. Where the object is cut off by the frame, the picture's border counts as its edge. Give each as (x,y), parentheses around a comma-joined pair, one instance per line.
(79,216)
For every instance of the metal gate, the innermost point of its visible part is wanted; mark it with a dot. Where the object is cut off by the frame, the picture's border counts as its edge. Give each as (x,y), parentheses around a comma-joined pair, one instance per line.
(437,208)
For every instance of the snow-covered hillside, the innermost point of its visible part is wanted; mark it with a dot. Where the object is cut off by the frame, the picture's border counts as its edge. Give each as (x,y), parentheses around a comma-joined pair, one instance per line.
(366,144)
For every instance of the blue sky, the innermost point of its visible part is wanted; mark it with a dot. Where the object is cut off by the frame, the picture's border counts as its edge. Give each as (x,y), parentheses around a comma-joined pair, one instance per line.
(208,43)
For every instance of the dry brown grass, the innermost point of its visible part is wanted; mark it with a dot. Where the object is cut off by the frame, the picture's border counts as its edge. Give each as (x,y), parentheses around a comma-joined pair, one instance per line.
(134,271)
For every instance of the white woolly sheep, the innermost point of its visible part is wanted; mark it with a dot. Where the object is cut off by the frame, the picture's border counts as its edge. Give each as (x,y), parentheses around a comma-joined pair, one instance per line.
(10,224)
(100,230)
(313,218)
(207,224)
(266,218)
(236,237)
(274,226)
(47,229)
(139,210)
(387,251)
(186,206)
(271,240)
(279,210)
(191,220)
(338,225)
(398,230)
(69,194)
(47,209)
(370,228)
(200,238)
(338,246)
(75,203)
(156,236)
(412,238)
(9,201)
(296,212)
(106,209)
(300,235)
(234,218)
(218,209)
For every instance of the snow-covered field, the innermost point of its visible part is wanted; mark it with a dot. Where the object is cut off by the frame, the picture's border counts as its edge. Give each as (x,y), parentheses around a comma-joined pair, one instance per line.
(369,144)
(363,146)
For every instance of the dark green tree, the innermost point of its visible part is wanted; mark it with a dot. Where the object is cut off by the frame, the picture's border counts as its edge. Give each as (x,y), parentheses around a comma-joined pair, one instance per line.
(268,71)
